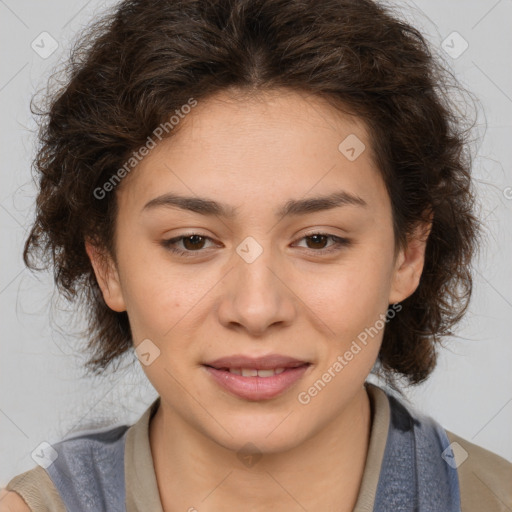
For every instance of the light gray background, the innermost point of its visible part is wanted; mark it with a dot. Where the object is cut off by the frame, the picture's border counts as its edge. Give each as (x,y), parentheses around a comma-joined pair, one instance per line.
(44,394)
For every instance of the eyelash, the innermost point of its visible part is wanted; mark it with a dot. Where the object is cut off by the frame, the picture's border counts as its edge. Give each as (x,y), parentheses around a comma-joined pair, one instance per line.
(339,243)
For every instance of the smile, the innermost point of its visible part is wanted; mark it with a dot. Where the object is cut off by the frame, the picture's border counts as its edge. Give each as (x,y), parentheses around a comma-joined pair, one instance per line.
(257,379)
(252,372)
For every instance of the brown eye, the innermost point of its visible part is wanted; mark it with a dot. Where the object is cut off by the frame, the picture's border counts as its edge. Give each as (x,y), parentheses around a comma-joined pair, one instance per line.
(186,245)
(193,242)
(318,241)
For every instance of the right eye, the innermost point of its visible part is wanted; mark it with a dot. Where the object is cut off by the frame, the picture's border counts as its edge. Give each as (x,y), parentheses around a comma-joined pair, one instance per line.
(192,242)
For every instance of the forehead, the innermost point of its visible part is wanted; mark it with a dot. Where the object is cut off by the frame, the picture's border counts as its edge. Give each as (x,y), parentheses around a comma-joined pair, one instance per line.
(260,147)
(293,116)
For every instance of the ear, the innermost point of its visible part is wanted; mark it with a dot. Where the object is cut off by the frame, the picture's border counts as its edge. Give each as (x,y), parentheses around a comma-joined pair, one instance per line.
(409,264)
(107,277)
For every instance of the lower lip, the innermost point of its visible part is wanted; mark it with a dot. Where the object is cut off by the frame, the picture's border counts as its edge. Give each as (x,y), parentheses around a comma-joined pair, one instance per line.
(257,388)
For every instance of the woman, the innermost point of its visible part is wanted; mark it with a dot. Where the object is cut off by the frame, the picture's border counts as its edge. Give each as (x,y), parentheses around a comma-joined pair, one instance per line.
(269,200)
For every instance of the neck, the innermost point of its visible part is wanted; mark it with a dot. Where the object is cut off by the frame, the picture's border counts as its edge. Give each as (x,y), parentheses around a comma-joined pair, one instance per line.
(323,473)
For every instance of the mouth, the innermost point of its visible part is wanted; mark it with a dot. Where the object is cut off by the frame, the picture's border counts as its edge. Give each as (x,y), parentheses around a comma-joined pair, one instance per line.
(253,372)
(259,378)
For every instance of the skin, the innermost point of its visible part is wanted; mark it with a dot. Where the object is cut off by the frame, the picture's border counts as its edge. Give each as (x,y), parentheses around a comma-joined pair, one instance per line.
(11,501)
(295,299)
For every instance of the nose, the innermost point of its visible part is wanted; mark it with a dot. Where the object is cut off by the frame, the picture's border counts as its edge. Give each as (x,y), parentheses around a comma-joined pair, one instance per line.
(255,297)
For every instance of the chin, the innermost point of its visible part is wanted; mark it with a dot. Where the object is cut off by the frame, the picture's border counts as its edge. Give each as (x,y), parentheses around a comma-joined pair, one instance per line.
(260,436)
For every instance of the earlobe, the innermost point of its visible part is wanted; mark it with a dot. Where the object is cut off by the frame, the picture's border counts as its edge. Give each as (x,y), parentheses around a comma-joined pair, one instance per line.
(409,265)
(107,277)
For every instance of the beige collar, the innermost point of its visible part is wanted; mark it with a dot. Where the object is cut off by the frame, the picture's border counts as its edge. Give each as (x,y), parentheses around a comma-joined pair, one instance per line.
(141,484)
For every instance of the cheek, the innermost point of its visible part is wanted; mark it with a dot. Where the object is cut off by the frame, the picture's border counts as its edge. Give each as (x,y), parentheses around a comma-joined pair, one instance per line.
(350,295)
(163,298)
(154,310)
(155,295)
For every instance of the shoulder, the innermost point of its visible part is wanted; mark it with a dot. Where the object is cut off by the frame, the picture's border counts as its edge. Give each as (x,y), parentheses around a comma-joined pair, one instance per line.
(481,479)
(79,468)
(11,501)
(485,478)
(31,491)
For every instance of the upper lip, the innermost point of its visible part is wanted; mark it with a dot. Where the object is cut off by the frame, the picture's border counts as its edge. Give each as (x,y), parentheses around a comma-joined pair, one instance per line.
(261,363)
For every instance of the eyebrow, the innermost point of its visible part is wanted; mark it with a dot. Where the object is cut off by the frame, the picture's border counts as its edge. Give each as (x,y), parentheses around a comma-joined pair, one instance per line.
(292,207)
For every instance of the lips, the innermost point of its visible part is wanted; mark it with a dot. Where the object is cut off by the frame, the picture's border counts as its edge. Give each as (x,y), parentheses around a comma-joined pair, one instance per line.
(259,378)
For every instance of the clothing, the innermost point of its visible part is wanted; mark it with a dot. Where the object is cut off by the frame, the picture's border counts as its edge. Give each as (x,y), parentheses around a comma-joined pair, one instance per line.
(409,467)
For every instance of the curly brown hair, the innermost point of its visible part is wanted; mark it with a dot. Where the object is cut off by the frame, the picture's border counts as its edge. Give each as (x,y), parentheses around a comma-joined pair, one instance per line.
(145,59)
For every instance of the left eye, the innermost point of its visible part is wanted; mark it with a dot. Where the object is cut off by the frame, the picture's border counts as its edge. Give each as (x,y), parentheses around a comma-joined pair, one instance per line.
(322,238)
(194,242)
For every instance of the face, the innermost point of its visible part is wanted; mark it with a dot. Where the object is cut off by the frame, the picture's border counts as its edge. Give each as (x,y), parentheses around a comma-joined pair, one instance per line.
(289,258)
